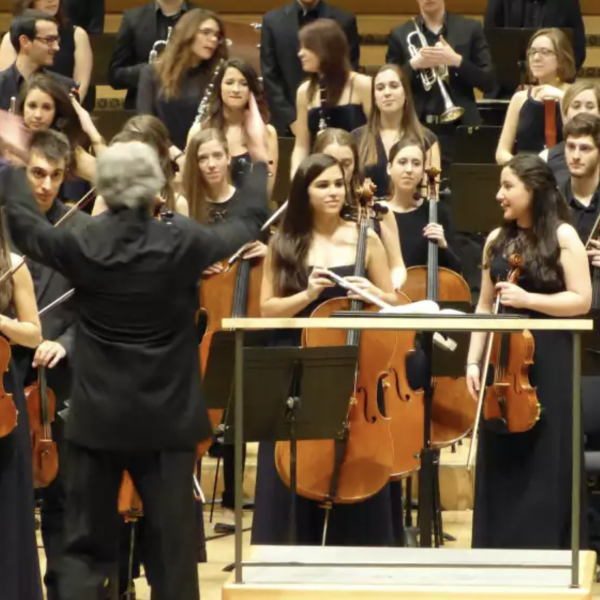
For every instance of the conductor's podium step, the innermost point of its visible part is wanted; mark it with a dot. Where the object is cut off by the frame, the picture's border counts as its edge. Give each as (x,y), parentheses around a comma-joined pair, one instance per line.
(395,573)
(455,483)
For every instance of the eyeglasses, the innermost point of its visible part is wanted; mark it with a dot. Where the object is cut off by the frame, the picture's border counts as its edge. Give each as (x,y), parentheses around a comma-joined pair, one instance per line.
(49,40)
(211,33)
(543,51)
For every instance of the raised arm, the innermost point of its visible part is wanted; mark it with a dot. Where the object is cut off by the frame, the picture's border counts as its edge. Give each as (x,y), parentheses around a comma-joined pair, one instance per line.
(302,145)
(124,70)
(84,61)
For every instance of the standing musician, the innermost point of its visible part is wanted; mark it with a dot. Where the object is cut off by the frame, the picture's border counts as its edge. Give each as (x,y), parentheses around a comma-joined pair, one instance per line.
(312,236)
(453,42)
(523,481)
(333,95)
(236,81)
(48,160)
(581,97)
(393,117)
(34,36)
(343,146)
(406,168)
(173,87)
(279,62)
(550,65)
(19,324)
(142,30)
(149,418)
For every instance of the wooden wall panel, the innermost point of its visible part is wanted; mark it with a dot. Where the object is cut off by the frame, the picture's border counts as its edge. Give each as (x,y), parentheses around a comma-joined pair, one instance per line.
(589,7)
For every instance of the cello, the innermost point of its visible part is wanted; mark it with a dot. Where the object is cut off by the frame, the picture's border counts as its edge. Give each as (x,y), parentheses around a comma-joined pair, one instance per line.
(453,412)
(358,465)
(41,408)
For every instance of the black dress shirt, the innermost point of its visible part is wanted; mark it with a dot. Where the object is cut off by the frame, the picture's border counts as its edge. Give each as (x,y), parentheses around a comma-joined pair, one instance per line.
(583,217)
(136,375)
(533,15)
(163,22)
(11,81)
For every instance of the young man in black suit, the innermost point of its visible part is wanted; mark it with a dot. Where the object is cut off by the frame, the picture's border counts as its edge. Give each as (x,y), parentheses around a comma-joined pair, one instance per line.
(538,14)
(455,42)
(34,36)
(140,28)
(136,401)
(281,69)
(49,155)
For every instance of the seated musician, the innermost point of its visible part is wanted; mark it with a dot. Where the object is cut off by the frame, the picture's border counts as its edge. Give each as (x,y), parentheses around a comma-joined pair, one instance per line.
(452,41)
(581,97)
(234,84)
(343,146)
(48,164)
(74,58)
(140,29)
(523,480)
(550,68)
(393,117)
(312,236)
(406,169)
(34,36)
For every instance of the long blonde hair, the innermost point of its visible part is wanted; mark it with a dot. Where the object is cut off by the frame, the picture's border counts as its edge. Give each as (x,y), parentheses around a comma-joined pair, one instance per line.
(409,125)
(195,189)
(178,56)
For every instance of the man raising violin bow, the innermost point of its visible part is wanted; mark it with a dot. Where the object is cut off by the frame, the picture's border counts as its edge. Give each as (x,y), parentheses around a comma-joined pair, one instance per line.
(136,402)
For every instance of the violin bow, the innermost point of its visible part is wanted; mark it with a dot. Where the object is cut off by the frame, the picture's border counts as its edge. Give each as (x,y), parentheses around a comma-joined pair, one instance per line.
(80,204)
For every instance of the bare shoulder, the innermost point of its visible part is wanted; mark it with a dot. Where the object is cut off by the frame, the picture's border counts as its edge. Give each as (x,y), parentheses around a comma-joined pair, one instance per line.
(302,92)
(492,236)
(361,81)
(519,98)
(567,235)
(271,132)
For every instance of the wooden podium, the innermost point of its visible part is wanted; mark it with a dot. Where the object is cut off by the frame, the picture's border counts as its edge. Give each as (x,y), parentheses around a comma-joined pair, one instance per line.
(285,572)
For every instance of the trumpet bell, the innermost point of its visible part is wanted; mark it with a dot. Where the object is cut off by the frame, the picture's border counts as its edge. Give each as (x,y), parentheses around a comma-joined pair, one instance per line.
(452,114)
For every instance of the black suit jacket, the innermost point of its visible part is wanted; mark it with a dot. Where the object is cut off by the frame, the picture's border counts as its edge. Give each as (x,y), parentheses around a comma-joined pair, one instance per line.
(136,36)
(476,71)
(58,324)
(557,13)
(136,374)
(280,66)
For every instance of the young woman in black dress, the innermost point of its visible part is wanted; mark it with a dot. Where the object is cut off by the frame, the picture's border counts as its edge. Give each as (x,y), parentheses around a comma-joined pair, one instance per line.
(332,96)
(550,66)
(19,324)
(392,117)
(312,236)
(406,169)
(236,81)
(173,87)
(523,480)
(343,146)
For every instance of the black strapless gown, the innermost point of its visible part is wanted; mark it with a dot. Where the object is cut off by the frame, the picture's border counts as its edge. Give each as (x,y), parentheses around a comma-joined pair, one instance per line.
(367,523)
(531,136)
(347,117)
(523,480)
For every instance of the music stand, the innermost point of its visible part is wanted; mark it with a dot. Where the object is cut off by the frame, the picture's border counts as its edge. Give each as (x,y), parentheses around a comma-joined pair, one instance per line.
(474,190)
(290,408)
(476,145)
(508,47)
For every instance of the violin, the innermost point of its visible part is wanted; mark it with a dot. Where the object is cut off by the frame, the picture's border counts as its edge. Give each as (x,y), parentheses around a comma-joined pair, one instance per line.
(8,410)
(358,465)
(510,403)
(453,411)
(41,408)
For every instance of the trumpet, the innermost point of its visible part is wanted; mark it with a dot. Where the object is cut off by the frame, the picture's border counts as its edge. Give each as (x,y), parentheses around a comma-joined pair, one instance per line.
(159,45)
(431,77)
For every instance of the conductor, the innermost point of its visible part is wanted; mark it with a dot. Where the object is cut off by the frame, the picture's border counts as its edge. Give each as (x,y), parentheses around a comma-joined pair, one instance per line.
(136,400)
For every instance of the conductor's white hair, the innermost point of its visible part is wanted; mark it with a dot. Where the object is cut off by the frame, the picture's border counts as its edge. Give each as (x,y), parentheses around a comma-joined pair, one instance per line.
(128,174)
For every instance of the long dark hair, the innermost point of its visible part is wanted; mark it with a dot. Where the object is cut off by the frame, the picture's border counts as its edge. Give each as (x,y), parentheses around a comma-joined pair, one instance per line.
(291,243)
(20,6)
(65,120)
(539,245)
(409,126)
(328,41)
(178,55)
(152,131)
(216,117)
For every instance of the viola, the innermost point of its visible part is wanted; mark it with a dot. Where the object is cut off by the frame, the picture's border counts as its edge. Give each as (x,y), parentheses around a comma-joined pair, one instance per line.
(41,408)
(8,410)
(453,411)
(358,466)
(510,403)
